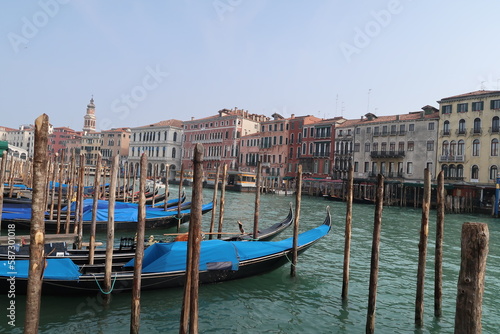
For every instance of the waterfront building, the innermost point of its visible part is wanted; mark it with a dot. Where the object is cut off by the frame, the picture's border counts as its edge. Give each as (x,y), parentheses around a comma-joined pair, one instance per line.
(59,137)
(295,147)
(162,142)
(468,149)
(24,139)
(220,135)
(400,146)
(91,140)
(115,142)
(344,148)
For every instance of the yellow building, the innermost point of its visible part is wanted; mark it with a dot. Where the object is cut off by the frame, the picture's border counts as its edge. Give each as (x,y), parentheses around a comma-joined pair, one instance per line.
(468,140)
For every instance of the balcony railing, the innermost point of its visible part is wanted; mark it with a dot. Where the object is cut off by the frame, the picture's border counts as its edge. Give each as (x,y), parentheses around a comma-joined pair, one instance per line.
(454,178)
(461,132)
(445,132)
(476,131)
(452,158)
(494,129)
(321,154)
(387,154)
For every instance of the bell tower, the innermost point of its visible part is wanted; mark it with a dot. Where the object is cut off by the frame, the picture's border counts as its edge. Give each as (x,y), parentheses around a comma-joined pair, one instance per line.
(89,118)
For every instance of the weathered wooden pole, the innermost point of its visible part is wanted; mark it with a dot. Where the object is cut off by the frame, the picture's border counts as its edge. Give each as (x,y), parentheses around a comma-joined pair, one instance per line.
(179,218)
(2,174)
(422,249)
(470,287)
(298,198)
(258,182)
(133,183)
(165,203)
(135,316)
(110,234)
(155,169)
(37,229)
(125,182)
(53,187)
(59,194)
(438,264)
(11,175)
(79,212)
(214,201)
(348,228)
(71,191)
(222,199)
(377,227)
(97,181)
(189,315)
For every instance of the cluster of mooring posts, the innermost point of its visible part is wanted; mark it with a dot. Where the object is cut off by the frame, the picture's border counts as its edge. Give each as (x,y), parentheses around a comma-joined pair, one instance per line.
(475,236)
(44,173)
(474,242)
(395,194)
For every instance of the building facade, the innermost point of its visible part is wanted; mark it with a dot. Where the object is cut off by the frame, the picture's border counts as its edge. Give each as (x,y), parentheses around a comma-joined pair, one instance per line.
(115,142)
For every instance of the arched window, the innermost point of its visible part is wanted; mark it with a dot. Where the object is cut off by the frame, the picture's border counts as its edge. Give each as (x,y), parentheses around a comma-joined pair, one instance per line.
(446,128)
(453,148)
(453,171)
(493,172)
(460,147)
(461,126)
(444,168)
(311,148)
(446,148)
(291,138)
(173,152)
(460,170)
(175,136)
(494,147)
(495,124)
(475,172)
(304,148)
(476,147)
(477,125)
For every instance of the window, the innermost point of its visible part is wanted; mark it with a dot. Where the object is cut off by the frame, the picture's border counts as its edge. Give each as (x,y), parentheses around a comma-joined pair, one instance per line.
(430,126)
(453,146)
(493,172)
(446,128)
(494,147)
(462,107)
(460,170)
(367,147)
(461,126)
(383,147)
(356,147)
(392,147)
(368,130)
(478,106)
(402,129)
(375,147)
(445,149)
(384,129)
(475,147)
(401,146)
(430,145)
(411,146)
(495,104)
(495,124)
(374,168)
(477,125)
(460,147)
(173,152)
(475,172)
(376,131)
(411,127)
(356,166)
(409,168)
(358,131)
(393,129)
(367,167)
(446,109)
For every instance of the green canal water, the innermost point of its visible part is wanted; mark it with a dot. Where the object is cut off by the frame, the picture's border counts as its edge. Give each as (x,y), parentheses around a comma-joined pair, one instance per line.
(310,302)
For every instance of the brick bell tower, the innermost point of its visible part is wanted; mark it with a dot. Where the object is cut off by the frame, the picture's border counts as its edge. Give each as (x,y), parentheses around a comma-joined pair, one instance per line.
(89,118)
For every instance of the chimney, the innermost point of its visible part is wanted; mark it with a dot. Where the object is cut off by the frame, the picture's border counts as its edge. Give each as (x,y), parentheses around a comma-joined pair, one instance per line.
(292,116)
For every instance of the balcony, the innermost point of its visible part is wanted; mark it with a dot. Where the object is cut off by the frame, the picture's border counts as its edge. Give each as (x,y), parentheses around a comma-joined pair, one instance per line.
(454,178)
(321,154)
(402,132)
(494,130)
(445,133)
(461,132)
(476,131)
(387,154)
(452,158)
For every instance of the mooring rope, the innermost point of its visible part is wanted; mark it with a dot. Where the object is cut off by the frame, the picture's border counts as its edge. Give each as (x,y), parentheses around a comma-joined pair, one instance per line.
(112,285)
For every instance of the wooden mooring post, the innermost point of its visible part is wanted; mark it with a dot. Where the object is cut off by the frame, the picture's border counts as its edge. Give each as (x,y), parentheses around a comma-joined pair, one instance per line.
(348,228)
(37,229)
(167,172)
(214,201)
(179,218)
(298,198)
(377,227)
(258,182)
(135,316)
(189,315)
(470,287)
(422,249)
(97,181)
(438,257)
(222,199)
(2,174)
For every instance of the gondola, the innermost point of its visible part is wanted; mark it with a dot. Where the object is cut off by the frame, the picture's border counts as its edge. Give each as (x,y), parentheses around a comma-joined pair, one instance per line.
(164,265)
(126,249)
(125,219)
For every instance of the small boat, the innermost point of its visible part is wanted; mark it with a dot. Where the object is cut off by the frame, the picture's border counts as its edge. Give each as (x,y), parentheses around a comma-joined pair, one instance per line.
(164,265)
(126,249)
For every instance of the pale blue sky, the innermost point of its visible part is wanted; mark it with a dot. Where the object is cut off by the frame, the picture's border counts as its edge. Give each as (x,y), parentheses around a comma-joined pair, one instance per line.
(149,61)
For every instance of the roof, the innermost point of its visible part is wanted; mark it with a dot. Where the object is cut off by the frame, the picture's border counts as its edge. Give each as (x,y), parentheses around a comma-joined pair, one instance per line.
(171,122)
(476,93)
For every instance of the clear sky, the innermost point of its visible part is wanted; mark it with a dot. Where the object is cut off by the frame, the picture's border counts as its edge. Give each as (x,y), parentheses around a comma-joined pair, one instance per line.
(147,61)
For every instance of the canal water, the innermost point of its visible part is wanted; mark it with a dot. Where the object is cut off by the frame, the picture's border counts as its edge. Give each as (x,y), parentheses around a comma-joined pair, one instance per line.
(310,302)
